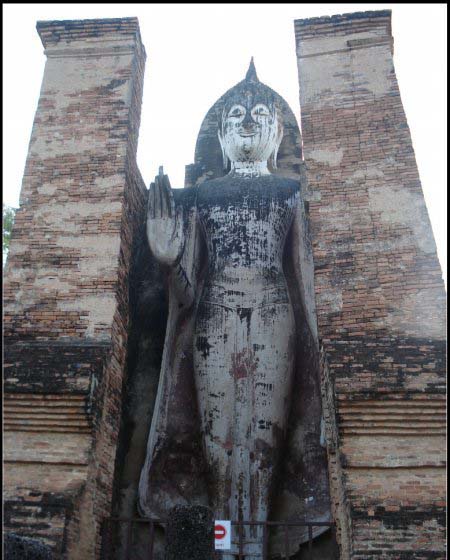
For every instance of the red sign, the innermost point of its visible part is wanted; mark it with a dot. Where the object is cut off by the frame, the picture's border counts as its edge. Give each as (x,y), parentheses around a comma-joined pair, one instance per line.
(222,534)
(219,531)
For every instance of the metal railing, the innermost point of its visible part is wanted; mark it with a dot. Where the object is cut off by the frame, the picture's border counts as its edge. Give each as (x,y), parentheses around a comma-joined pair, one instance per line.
(113,523)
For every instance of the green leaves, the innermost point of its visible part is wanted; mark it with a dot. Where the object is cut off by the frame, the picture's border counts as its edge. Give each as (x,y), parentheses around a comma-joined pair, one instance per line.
(8,221)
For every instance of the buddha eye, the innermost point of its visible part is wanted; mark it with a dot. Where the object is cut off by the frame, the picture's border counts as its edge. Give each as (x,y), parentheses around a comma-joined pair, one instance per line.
(261,110)
(236,111)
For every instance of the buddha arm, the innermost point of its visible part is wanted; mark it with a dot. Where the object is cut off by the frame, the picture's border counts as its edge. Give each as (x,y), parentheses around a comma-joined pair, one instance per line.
(171,234)
(183,274)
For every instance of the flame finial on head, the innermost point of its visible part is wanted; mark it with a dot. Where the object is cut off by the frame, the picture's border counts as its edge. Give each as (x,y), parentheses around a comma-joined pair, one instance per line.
(251,75)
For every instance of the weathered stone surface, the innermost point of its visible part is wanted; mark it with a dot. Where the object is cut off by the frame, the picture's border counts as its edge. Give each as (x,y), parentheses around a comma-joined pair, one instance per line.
(148,317)
(239,321)
(379,292)
(17,547)
(190,534)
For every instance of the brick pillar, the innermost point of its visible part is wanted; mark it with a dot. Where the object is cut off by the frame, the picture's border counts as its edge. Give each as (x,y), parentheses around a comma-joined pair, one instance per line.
(378,285)
(66,285)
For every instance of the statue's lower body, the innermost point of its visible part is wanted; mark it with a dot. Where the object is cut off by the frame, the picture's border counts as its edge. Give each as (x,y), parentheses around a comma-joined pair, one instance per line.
(243,360)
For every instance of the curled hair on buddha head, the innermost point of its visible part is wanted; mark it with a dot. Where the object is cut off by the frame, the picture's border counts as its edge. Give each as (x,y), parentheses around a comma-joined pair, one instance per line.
(251,87)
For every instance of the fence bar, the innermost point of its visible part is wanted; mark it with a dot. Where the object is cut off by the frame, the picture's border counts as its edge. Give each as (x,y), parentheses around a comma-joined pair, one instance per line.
(110,539)
(272,523)
(128,540)
(104,537)
(152,536)
(142,520)
(241,539)
(111,532)
(109,523)
(288,523)
(265,541)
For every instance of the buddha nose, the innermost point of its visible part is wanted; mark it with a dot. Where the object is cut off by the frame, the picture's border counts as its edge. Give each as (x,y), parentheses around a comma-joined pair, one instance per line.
(248,121)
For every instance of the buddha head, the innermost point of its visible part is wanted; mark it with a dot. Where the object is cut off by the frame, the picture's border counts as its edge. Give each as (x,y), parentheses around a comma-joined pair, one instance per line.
(251,130)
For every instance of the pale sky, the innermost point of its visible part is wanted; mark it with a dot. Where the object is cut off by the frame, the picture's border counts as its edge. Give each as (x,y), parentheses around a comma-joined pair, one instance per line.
(195,52)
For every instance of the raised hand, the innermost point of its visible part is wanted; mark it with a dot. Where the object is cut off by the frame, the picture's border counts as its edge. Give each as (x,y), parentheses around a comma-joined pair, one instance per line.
(164,223)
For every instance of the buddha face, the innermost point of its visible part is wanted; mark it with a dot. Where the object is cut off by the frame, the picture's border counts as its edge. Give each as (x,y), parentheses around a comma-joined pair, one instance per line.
(250,131)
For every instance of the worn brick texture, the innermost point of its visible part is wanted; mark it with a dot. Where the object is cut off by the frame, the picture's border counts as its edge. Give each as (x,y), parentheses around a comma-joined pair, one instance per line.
(66,284)
(379,292)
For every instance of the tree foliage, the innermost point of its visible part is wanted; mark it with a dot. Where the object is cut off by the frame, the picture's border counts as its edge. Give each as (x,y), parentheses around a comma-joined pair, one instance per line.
(8,221)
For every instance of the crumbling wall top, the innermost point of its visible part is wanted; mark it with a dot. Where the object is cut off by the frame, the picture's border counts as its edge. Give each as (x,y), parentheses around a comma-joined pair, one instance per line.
(343,23)
(338,18)
(58,33)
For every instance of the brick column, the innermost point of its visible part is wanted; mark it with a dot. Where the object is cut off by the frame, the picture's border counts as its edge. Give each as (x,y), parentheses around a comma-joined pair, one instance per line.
(66,285)
(378,284)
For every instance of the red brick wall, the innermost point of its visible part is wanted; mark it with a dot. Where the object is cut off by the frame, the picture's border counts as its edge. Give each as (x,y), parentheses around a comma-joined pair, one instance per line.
(66,285)
(379,289)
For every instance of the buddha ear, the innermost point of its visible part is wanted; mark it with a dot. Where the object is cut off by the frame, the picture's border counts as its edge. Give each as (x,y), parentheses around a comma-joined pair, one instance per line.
(222,145)
(273,159)
(274,156)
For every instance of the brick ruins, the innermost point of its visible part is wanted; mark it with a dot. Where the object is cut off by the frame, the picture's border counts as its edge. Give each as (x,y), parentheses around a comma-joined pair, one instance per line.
(66,286)
(379,290)
(77,262)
